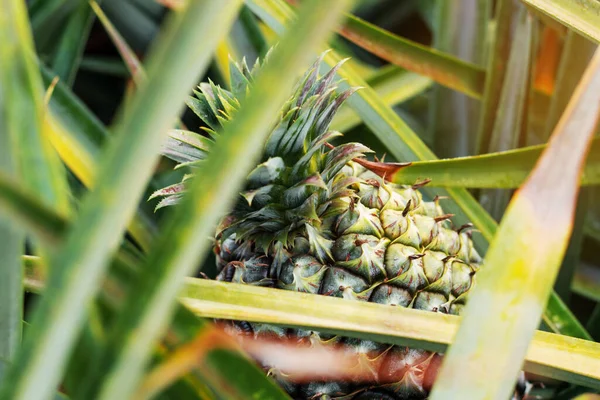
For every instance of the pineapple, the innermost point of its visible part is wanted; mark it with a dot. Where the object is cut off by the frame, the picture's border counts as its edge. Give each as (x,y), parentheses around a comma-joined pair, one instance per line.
(320,219)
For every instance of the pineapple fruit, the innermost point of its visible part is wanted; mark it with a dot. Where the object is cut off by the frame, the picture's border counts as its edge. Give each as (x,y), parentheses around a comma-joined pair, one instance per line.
(316,218)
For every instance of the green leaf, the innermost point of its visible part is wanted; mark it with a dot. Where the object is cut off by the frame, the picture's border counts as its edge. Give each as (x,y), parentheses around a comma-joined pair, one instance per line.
(175,64)
(183,242)
(38,165)
(78,137)
(12,243)
(582,16)
(404,145)
(29,211)
(551,355)
(441,67)
(523,261)
(72,42)
(507,169)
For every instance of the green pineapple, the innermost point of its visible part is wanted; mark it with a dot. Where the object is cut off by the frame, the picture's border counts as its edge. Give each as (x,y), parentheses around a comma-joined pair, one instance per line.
(316,218)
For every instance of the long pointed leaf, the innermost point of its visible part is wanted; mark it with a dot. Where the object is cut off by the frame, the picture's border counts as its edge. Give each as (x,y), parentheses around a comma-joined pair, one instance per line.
(77,268)
(523,261)
(72,43)
(441,67)
(507,169)
(555,356)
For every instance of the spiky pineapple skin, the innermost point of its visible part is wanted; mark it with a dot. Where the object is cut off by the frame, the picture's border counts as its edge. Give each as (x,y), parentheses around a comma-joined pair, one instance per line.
(313,219)
(388,246)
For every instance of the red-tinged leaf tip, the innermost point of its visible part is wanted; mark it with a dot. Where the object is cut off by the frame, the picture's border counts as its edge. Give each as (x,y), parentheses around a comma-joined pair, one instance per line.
(384,170)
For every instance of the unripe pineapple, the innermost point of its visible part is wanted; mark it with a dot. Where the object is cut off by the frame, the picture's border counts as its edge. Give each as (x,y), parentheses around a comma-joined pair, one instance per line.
(313,219)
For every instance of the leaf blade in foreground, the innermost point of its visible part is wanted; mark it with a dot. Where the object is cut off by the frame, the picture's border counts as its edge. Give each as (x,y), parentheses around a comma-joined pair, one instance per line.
(80,263)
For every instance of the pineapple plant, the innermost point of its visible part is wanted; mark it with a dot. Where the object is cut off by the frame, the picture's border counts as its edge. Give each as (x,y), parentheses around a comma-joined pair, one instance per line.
(324,238)
(322,219)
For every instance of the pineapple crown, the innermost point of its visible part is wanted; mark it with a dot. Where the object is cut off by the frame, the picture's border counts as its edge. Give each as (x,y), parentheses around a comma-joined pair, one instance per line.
(296,178)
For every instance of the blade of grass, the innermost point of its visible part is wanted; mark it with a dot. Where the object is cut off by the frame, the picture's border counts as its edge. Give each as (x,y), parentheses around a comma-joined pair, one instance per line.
(485,359)
(72,42)
(176,63)
(184,242)
(441,67)
(507,169)
(582,16)
(496,69)
(555,356)
(104,65)
(50,227)
(511,115)
(405,145)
